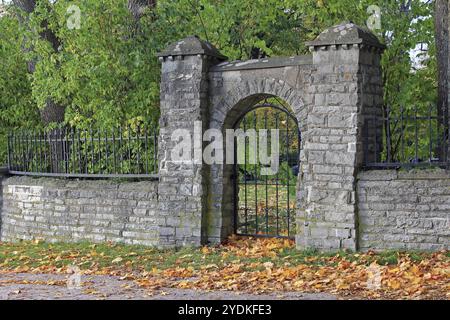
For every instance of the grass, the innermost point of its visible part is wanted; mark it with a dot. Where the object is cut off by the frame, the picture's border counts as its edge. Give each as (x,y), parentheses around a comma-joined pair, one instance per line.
(242,264)
(86,255)
(266,209)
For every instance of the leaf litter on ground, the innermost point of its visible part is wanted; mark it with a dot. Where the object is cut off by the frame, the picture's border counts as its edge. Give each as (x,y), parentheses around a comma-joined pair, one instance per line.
(245,264)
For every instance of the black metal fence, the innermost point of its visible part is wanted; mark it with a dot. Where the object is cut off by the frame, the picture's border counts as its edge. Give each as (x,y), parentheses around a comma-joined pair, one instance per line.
(409,138)
(120,152)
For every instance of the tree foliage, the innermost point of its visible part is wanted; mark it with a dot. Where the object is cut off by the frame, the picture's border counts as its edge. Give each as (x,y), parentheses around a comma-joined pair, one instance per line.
(16,105)
(105,73)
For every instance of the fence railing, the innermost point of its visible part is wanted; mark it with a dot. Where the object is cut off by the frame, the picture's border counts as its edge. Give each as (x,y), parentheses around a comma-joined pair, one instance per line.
(120,152)
(409,138)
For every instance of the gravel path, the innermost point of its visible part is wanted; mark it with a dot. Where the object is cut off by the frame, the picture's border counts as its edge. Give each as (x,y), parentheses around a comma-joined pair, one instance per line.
(24,286)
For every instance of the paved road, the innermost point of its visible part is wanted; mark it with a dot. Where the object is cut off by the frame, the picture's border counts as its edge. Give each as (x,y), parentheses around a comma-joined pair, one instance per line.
(23,286)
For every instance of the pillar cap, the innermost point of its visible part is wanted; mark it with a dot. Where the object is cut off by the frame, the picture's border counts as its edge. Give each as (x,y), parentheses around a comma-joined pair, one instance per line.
(192,46)
(346,33)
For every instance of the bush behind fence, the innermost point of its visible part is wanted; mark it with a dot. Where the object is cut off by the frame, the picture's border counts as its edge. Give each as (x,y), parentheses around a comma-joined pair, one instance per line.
(122,151)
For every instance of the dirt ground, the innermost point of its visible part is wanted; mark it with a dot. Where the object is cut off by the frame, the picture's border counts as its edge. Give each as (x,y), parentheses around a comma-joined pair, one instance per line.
(24,286)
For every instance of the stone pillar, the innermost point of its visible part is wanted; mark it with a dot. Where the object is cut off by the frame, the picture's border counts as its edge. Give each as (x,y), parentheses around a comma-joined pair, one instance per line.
(347,88)
(3,172)
(184,101)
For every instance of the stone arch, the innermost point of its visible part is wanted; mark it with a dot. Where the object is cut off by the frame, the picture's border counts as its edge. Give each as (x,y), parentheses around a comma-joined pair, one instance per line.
(223,115)
(250,91)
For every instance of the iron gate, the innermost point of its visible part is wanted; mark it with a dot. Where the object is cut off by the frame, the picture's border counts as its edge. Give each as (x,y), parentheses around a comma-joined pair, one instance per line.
(265,204)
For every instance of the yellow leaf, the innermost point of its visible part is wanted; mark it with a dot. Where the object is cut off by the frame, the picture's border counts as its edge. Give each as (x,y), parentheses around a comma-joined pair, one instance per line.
(117,260)
(394,284)
(205,250)
(155,270)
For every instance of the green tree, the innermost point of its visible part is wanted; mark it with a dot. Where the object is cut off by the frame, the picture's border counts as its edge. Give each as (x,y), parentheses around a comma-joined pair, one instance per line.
(244,29)
(105,73)
(16,106)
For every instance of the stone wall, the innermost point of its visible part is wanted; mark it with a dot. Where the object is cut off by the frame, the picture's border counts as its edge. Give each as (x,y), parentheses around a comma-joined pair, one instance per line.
(71,210)
(3,171)
(404,210)
(396,210)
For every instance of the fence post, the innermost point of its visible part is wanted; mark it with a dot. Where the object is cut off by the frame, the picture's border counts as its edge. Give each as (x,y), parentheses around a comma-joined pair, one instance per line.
(347,89)
(184,103)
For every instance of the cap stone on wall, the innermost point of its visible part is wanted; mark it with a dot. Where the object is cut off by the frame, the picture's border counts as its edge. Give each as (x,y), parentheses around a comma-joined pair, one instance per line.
(192,46)
(346,34)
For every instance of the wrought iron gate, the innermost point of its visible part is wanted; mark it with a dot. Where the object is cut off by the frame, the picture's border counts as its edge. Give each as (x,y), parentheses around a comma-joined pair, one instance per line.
(265,204)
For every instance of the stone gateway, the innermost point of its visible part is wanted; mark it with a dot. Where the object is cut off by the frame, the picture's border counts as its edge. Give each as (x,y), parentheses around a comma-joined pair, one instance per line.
(331,93)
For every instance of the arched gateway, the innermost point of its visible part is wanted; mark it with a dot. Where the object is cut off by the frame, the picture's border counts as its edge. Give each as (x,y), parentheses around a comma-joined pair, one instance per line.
(329,93)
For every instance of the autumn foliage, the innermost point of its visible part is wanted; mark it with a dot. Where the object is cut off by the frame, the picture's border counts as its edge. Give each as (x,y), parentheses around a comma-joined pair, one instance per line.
(247,265)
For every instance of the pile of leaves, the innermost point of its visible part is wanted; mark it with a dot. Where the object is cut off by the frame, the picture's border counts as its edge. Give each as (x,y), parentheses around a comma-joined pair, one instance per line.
(247,265)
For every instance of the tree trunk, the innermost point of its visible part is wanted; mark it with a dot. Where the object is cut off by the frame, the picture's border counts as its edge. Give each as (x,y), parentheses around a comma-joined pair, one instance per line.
(442,52)
(137,7)
(52,112)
